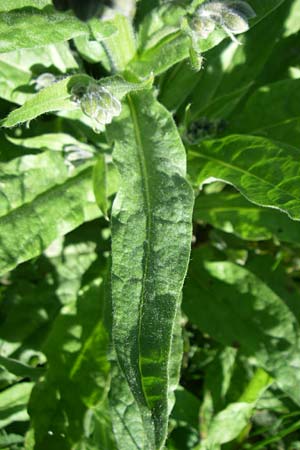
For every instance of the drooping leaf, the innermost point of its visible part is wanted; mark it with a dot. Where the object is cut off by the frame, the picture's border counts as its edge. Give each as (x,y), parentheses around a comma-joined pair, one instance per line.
(153,202)
(53,98)
(265,172)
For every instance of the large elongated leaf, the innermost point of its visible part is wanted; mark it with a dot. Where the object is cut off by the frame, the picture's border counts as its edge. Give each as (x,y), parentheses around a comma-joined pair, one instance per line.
(33,27)
(232,213)
(237,308)
(29,229)
(265,172)
(154,202)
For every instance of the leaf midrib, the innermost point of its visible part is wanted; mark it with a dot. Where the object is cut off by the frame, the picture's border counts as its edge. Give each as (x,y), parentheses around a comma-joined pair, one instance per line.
(148,204)
(244,171)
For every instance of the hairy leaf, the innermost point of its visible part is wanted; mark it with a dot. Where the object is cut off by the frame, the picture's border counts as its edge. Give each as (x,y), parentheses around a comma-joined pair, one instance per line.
(29,229)
(59,96)
(265,172)
(153,202)
(32,27)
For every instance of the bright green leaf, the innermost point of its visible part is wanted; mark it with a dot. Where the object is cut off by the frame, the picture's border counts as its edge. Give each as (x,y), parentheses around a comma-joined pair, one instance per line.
(32,27)
(265,172)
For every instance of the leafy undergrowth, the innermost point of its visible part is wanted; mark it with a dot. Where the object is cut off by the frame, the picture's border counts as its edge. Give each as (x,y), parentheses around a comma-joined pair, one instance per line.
(149,226)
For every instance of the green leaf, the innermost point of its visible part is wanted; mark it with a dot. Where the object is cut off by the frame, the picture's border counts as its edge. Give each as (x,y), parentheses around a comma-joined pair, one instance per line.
(9,5)
(91,50)
(32,27)
(235,307)
(263,171)
(154,202)
(24,178)
(126,416)
(100,184)
(232,213)
(19,369)
(58,96)
(120,46)
(186,409)
(229,69)
(19,68)
(13,402)
(53,98)
(273,112)
(103,29)
(77,379)
(7,441)
(29,229)
(229,423)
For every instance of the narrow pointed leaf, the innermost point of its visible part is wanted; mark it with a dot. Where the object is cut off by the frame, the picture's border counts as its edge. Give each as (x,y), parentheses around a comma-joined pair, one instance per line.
(265,172)
(154,202)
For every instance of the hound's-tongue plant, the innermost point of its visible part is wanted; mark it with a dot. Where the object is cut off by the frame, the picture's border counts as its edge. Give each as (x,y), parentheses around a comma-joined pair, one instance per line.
(97,222)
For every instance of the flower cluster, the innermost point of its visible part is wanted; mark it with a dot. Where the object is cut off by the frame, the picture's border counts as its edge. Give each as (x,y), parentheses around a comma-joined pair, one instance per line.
(100,105)
(230,15)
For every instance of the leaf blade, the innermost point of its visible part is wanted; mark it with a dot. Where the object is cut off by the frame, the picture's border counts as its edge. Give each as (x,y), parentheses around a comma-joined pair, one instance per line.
(265,172)
(150,205)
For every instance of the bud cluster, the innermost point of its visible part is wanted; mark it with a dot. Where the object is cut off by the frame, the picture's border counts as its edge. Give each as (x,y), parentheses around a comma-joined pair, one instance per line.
(230,15)
(98,103)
